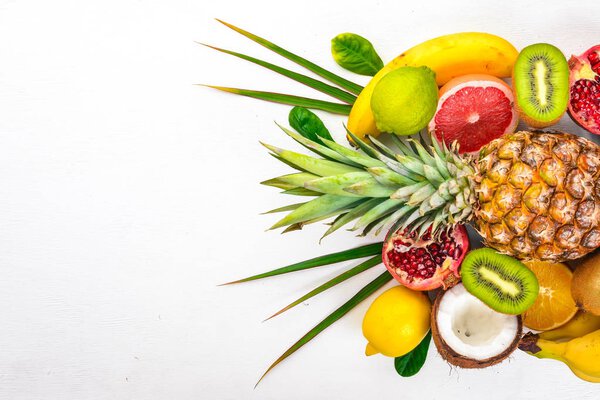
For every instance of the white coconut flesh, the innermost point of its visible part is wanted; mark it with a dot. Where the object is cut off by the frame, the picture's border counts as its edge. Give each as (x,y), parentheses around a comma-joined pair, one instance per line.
(471,328)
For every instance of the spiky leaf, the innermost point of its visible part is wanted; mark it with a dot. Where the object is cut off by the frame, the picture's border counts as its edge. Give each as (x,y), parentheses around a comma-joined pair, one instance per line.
(364,293)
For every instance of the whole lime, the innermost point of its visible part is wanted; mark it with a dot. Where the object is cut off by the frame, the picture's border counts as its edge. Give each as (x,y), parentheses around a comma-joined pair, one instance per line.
(405,100)
(396,322)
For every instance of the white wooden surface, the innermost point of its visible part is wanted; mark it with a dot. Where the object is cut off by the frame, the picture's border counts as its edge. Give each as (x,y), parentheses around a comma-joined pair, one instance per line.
(127,194)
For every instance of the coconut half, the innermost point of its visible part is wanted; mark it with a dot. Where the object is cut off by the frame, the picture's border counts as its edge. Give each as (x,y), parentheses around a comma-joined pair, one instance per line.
(469,334)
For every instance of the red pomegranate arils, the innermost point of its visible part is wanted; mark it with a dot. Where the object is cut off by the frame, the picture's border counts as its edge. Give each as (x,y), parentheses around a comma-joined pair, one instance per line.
(584,104)
(422,263)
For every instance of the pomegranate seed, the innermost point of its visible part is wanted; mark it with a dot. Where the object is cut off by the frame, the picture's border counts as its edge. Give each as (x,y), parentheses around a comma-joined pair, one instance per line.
(416,260)
(593,57)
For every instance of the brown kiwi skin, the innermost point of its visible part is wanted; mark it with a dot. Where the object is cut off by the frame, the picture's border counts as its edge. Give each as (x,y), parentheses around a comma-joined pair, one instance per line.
(585,285)
(459,360)
(532,123)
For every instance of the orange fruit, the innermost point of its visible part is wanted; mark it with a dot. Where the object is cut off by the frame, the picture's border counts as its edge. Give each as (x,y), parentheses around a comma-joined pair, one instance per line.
(474,110)
(554,305)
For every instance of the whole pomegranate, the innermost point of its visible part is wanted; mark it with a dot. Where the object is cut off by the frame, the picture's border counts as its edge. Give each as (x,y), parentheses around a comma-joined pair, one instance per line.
(584,104)
(422,263)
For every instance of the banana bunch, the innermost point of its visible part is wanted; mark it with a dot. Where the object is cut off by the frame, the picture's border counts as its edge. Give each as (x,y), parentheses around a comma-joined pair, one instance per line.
(449,56)
(577,344)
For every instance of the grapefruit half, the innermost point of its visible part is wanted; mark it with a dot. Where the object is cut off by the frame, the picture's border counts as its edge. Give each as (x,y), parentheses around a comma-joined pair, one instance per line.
(474,110)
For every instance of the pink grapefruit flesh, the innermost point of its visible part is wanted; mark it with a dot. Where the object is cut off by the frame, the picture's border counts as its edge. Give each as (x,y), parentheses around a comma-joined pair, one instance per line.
(474,110)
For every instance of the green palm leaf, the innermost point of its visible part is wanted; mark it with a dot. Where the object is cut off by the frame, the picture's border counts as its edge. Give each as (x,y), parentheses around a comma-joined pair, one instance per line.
(362,267)
(330,76)
(308,81)
(365,292)
(334,108)
(333,258)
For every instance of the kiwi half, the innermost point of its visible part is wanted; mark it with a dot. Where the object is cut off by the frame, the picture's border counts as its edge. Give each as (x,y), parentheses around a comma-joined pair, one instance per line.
(502,282)
(541,84)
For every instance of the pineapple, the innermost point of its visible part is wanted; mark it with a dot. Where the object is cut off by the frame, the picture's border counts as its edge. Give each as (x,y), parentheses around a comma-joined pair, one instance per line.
(532,195)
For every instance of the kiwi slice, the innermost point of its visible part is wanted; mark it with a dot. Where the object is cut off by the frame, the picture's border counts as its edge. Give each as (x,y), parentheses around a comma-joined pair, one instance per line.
(541,84)
(502,282)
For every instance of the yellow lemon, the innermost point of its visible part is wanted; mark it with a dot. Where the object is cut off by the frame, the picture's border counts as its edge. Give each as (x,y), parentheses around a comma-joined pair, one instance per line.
(396,322)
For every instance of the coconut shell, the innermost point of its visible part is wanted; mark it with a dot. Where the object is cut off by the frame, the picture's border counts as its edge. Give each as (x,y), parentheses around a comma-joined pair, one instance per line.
(459,360)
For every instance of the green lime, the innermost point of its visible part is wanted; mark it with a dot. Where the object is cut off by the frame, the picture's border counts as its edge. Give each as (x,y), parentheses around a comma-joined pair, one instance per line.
(405,100)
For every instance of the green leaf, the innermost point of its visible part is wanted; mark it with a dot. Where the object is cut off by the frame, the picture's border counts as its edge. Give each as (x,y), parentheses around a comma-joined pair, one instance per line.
(300,191)
(310,164)
(365,292)
(318,207)
(333,258)
(306,123)
(290,181)
(351,215)
(289,207)
(308,81)
(370,263)
(353,155)
(382,209)
(334,108)
(356,54)
(410,364)
(330,76)
(370,188)
(318,148)
(335,184)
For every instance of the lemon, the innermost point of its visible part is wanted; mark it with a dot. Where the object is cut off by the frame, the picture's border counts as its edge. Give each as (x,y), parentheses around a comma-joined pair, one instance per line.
(405,100)
(396,322)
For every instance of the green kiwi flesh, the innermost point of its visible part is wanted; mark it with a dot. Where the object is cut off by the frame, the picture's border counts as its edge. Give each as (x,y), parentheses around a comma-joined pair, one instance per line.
(541,82)
(502,282)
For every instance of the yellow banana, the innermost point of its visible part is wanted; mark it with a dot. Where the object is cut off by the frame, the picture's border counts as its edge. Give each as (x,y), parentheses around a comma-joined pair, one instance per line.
(449,56)
(581,324)
(584,376)
(581,354)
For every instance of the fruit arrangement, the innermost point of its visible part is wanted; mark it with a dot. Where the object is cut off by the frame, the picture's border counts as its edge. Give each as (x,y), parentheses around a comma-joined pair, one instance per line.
(433,147)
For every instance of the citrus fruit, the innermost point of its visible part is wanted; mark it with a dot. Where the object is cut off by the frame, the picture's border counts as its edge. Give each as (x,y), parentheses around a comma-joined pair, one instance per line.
(554,305)
(474,110)
(396,322)
(404,100)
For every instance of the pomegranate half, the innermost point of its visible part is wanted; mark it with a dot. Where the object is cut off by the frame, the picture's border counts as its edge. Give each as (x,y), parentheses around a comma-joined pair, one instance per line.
(584,81)
(423,263)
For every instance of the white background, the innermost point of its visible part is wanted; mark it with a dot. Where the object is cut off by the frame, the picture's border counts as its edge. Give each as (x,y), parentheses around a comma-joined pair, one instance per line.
(127,194)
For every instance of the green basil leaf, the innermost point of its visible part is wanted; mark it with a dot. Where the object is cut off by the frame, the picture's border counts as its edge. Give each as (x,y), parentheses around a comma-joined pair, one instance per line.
(410,364)
(356,54)
(308,124)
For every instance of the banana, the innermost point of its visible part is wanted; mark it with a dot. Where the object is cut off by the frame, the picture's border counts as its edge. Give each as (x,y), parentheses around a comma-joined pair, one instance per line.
(580,354)
(581,324)
(449,56)
(584,376)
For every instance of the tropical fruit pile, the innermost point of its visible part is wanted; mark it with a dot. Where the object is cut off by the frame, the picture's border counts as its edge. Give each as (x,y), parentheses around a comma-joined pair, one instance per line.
(433,147)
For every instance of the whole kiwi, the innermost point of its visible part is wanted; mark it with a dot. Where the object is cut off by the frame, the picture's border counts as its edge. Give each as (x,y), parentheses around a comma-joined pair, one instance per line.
(585,287)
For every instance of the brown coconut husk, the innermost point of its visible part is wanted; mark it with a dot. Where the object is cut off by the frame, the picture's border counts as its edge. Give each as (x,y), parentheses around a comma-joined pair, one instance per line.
(459,360)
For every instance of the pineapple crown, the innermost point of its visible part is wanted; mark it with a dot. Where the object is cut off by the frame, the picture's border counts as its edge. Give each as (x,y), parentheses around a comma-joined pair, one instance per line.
(409,185)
